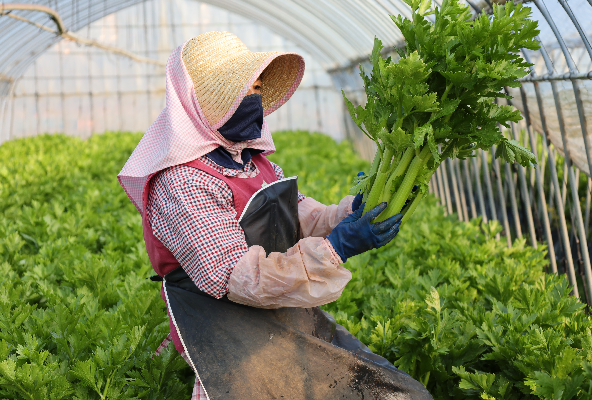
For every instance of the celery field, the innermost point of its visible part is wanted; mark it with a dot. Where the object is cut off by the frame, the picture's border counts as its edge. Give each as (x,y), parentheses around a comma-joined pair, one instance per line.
(445,302)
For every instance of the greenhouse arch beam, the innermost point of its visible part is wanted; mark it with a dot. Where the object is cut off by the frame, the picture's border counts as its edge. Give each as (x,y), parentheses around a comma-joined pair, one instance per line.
(53,14)
(64,33)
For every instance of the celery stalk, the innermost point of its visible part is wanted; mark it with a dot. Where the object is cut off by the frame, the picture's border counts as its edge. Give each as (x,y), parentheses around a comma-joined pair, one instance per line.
(408,212)
(378,185)
(398,200)
(375,192)
(399,171)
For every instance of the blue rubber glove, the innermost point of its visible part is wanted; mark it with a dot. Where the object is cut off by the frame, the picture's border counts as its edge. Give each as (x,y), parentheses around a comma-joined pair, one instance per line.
(357,234)
(358,199)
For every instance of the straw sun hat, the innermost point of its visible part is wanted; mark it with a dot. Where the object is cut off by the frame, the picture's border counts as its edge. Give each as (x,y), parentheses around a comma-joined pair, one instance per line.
(222,69)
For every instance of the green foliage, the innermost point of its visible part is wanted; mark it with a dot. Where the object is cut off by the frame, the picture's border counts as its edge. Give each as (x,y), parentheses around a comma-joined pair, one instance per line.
(467,316)
(445,301)
(440,93)
(78,319)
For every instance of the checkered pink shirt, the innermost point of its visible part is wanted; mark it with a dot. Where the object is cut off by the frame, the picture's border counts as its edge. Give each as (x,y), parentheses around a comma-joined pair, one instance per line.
(192,213)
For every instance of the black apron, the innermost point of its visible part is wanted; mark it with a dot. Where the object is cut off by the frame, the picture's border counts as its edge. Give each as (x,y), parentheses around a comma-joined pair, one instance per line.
(242,353)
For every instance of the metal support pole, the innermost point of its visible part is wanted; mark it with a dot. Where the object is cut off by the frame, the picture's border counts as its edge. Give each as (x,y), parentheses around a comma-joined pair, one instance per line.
(443,200)
(513,203)
(583,124)
(579,105)
(564,186)
(461,190)
(542,161)
(434,184)
(555,189)
(563,224)
(539,181)
(489,188)
(576,23)
(502,197)
(575,197)
(587,215)
(484,165)
(479,189)
(526,198)
(455,190)
(446,189)
(470,189)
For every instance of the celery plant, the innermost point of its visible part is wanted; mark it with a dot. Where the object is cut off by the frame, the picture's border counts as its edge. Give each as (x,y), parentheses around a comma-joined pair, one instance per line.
(438,99)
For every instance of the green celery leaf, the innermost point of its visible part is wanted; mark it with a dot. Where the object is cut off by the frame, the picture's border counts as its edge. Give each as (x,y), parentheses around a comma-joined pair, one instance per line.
(512,151)
(398,140)
(421,133)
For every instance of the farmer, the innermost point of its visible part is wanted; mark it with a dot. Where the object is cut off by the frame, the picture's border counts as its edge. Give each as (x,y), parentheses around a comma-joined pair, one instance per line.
(245,259)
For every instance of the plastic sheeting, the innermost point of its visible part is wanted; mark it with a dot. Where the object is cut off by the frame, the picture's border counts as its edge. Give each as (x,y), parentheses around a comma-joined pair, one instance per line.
(569,110)
(82,90)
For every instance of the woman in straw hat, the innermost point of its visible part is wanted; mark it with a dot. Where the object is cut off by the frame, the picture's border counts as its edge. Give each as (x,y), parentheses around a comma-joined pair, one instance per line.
(245,259)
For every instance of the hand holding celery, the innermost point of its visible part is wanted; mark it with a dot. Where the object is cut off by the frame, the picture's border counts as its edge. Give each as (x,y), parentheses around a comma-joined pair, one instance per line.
(437,100)
(359,233)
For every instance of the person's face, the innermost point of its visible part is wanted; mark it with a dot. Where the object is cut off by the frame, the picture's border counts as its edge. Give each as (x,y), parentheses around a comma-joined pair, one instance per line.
(256,87)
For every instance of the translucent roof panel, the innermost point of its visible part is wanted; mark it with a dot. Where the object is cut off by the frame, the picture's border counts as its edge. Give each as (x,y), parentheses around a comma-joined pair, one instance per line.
(80,90)
(21,42)
(333,31)
(568,33)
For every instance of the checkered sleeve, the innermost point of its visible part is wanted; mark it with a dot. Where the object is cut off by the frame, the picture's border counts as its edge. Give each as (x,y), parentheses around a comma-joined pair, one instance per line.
(193,215)
(279,173)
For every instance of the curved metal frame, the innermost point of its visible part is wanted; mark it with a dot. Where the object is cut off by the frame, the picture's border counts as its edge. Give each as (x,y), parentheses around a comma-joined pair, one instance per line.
(334,32)
(5,10)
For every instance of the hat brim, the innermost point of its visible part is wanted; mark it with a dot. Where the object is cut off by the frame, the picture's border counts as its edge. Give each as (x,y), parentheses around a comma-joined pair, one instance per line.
(283,73)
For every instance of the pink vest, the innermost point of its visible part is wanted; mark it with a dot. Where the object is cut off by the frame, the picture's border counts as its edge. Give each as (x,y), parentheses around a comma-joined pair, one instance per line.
(162,260)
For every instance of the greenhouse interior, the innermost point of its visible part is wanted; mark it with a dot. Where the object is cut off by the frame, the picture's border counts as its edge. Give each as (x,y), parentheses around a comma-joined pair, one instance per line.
(482,291)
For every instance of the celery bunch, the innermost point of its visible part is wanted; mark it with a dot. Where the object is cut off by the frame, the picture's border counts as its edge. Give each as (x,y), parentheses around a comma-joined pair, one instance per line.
(438,99)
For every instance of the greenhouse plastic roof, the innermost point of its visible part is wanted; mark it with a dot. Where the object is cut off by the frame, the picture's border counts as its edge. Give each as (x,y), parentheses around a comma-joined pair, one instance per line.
(336,32)
(333,31)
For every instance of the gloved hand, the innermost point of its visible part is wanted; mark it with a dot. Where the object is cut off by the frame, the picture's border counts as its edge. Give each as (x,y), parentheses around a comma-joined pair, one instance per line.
(357,234)
(358,199)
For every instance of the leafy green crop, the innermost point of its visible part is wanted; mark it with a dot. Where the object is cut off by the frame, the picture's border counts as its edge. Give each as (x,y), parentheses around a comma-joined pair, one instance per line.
(445,301)
(78,319)
(467,316)
(437,100)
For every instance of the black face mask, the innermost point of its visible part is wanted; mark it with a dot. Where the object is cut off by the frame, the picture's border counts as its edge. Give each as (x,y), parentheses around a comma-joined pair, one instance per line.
(245,124)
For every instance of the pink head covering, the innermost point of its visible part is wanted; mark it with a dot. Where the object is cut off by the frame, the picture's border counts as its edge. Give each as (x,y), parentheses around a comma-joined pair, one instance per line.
(182,133)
